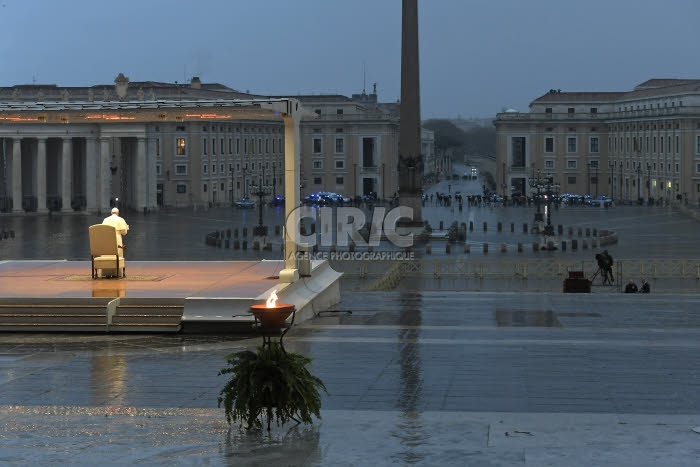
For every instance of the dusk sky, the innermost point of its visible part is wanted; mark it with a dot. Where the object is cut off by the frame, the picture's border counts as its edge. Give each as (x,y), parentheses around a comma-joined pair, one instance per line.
(477,57)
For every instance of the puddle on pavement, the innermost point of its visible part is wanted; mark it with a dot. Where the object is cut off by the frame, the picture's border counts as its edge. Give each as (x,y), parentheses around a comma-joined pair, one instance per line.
(526,318)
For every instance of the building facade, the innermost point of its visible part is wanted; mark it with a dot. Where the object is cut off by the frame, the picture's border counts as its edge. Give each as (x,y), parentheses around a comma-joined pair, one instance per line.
(638,145)
(148,145)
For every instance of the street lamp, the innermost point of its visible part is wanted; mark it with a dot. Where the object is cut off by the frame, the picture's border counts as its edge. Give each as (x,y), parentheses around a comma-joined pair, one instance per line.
(611,166)
(639,182)
(648,183)
(260,230)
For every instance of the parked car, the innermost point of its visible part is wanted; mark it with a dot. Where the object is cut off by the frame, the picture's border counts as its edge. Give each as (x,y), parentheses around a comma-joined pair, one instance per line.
(245,203)
(601,201)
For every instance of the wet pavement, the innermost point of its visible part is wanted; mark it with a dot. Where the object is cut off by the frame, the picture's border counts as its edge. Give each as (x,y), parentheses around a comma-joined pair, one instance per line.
(413,379)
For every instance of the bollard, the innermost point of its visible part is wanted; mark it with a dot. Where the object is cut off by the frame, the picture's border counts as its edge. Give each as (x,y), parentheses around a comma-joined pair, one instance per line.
(520,247)
(484,226)
(428,249)
(447,248)
(471,226)
(504,248)
(574,244)
(441,225)
(486,247)
(512,227)
(560,229)
(499,227)
(563,245)
(467,249)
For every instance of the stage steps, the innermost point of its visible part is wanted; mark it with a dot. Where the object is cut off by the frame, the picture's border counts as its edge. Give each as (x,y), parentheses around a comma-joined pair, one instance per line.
(91,314)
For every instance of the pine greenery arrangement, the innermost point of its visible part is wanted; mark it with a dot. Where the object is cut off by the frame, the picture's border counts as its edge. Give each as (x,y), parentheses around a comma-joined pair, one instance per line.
(272,383)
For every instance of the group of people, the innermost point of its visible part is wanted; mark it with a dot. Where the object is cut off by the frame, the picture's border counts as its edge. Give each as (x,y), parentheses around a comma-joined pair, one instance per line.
(631,287)
(605,263)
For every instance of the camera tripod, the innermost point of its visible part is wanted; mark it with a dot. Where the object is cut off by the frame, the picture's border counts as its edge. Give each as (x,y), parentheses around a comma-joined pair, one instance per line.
(606,276)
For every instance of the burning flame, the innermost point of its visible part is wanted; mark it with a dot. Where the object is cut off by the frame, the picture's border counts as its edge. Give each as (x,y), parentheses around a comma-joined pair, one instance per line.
(272,300)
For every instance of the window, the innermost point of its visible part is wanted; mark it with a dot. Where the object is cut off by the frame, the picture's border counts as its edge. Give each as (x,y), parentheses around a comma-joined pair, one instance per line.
(267,146)
(571,180)
(158,170)
(627,144)
(181,188)
(571,144)
(274,146)
(339,164)
(339,145)
(318,164)
(181,146)
(669,145)
(655,144)
(260,151)
(594,110)
(222,146)
(571,110)
(213,168)
(661,145)
(213,145)
(595,144)
(548,110)
(317,180)
(594,164)
(548,164)
(157,146)
(238,145)
(317,112)
(549,144)
(678,143)
(204,145)
(204,168)
(339,180)
(518,151)
(697,167)
(221,168)
(230,145)
(678,168)
(181,169)
(317,146)
(339,130)
(571,164)
(204,187)
(222,187)
(339,112)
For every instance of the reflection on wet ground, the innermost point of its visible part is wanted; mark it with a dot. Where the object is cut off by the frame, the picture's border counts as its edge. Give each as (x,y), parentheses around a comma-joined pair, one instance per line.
(545,318)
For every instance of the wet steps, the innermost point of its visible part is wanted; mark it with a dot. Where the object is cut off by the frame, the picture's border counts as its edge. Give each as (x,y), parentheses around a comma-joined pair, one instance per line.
(90,315)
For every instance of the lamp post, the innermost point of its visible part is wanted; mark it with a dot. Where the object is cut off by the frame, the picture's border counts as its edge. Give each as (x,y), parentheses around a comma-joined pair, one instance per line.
(588,179)
(639,180)
(260,230)
(611,172)
(648,183)
(620,181)
(274,183)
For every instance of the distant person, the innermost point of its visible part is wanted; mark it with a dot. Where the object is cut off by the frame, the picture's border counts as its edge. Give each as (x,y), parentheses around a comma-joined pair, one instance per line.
(631,287)
(119,224)
(645,287)
(609,264)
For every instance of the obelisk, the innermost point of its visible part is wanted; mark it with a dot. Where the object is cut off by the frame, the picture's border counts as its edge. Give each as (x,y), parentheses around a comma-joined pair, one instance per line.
(410,158)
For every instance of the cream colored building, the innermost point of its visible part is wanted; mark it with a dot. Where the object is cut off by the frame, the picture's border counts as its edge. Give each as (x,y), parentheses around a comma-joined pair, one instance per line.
(350,146)
(147,145)
(633,145)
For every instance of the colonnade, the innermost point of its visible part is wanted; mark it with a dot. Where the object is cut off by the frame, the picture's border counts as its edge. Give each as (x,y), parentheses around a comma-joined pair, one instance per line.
(50,172)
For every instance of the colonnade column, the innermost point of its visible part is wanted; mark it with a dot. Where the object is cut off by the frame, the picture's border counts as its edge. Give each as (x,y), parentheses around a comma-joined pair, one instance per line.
(67,175)
(41,175)
(141,174)
(105,174)
(92,175)
(17,175)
